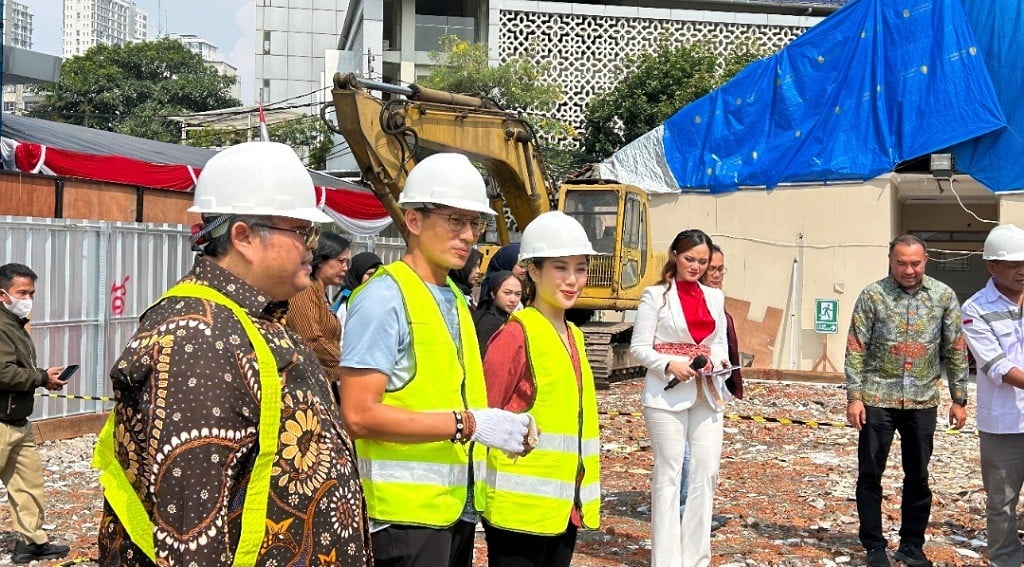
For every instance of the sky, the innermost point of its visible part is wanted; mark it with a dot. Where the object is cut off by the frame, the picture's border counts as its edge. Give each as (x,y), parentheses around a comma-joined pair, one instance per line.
(228,24)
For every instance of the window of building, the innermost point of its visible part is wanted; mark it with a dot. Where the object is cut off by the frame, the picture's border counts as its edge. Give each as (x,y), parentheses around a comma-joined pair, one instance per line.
(392,25)
(435,18)
(266,42)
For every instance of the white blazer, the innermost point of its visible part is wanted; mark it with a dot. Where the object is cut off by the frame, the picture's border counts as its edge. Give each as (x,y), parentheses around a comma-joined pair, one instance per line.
(660,319)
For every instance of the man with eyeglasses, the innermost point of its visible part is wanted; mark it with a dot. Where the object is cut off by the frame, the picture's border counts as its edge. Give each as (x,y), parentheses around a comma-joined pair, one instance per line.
(412,386)
(225,446)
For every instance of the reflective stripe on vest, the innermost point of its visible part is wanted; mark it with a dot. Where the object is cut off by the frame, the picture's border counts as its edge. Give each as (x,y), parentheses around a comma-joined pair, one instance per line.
(118,490)
(536,493)
(426,484)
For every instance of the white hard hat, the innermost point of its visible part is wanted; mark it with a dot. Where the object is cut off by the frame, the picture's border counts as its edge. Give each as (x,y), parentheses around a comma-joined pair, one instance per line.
(1004,242)
(445,179)
(257,178)
(552,235)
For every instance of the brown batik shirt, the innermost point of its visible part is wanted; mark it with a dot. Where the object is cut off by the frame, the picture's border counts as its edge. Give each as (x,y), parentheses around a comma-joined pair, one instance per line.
(187,390)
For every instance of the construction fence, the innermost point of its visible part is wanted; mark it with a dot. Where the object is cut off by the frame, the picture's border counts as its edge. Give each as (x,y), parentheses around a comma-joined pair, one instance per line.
(96,278)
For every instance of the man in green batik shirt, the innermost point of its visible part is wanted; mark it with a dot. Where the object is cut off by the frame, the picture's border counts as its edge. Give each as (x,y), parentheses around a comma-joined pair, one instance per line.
(905,329)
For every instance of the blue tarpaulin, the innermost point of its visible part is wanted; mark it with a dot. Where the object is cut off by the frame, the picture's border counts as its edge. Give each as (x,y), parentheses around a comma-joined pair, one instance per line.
(876,83)
(995,159)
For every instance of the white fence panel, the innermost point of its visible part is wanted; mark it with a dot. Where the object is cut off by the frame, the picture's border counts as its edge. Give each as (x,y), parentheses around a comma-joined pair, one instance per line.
(96,278)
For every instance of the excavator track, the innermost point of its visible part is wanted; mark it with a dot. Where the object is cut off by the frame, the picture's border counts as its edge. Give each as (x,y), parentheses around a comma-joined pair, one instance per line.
(608,352)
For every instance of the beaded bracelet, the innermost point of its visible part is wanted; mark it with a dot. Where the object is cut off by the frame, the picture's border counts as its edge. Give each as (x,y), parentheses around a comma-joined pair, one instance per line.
(459,436)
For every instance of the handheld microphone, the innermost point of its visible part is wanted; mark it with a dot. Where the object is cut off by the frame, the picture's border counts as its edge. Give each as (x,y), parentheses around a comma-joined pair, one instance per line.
(700,362)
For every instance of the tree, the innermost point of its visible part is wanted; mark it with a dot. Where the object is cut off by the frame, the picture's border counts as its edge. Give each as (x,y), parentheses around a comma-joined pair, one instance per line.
(132,88)
(517,84)
(654,86)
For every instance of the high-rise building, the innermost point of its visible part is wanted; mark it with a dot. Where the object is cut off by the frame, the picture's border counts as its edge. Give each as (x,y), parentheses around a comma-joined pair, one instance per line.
(292,37)
(17,25)
(211,56)
(92,22)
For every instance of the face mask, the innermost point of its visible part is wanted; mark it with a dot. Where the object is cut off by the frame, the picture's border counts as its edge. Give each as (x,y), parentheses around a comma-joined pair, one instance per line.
(20,308)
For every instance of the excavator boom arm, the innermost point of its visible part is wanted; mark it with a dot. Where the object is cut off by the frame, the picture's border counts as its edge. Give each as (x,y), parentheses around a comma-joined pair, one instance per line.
(384,137)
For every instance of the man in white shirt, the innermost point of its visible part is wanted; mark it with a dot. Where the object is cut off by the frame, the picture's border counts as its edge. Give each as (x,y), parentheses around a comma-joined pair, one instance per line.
(994,331)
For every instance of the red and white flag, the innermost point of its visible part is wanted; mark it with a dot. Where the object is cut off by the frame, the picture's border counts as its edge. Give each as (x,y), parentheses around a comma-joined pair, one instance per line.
(264,134)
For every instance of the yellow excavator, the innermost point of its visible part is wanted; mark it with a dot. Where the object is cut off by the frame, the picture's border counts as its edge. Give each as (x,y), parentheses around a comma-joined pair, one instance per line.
(387,133)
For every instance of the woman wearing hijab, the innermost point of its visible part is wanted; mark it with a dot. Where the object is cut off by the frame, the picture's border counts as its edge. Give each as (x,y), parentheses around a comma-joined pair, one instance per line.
(505,259)
(506,294)
(468,276)
(362,267)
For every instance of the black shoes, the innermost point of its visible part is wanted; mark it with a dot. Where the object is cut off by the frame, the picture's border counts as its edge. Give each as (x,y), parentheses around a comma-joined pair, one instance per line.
(25,552)
(912,556)
(878,558)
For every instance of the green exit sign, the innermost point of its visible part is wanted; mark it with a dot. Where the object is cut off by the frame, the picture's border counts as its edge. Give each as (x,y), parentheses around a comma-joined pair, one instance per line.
(826,316)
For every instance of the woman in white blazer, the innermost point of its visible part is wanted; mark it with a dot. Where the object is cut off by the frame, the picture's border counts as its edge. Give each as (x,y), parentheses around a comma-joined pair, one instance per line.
(678,320)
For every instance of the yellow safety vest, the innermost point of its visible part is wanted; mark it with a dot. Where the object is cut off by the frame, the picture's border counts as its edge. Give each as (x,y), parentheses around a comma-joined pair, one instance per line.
(535,494)
(425,484)
(118,490)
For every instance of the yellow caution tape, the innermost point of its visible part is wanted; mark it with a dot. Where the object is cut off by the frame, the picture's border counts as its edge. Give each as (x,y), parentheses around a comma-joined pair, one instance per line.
(75,397)
(786,421)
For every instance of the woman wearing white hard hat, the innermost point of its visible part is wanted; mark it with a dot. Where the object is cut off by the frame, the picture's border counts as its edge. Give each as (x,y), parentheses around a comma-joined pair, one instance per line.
(679,335)
(536,504)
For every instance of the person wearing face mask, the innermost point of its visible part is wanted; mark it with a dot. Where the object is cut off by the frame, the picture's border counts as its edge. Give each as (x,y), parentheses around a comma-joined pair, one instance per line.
(20,467)
(679,322)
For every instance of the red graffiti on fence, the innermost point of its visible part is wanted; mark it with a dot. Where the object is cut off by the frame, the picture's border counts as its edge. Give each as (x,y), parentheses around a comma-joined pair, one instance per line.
(117,294)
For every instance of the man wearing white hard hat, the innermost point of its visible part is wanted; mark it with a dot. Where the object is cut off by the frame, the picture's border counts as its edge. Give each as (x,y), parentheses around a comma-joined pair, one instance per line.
(995,334)
(412,385)
(224,446)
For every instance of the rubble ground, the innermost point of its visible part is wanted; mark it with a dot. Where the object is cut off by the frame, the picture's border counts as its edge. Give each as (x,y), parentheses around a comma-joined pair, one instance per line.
(787,490)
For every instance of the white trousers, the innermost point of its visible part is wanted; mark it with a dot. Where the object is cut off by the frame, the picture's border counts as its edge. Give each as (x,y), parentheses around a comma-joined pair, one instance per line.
(683,542)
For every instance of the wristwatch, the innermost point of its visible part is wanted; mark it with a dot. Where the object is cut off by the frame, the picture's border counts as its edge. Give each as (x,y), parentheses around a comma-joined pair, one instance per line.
(961,402)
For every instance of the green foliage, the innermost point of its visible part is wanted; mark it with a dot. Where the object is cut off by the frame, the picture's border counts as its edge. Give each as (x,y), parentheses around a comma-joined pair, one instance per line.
(307,132)
(132,88)
(517,84)
(654,86)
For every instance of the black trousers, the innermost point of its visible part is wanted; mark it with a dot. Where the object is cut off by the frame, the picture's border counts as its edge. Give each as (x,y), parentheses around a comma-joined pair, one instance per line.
(917,434)
(415,546)
(506,548)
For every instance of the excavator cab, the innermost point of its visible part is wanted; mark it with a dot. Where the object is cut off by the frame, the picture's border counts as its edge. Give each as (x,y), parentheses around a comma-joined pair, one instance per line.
(615,217)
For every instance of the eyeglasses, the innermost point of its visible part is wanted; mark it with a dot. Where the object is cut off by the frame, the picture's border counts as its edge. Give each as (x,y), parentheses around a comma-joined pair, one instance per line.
(717,269)
(458,224)
(309,235)
(345,262)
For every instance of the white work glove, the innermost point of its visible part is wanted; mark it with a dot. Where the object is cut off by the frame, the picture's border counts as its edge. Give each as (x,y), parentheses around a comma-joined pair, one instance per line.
(502,429)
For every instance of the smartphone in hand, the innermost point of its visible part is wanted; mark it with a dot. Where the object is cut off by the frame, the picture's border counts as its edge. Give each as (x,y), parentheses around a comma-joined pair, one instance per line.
(67,372)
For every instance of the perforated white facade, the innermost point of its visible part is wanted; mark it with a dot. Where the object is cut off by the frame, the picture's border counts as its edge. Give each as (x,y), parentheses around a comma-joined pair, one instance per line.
(586,43)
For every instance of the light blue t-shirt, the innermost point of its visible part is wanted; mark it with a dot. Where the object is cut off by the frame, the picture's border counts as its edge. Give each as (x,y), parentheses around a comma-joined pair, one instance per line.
(377,337)
(377,330)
